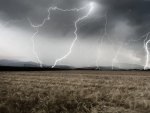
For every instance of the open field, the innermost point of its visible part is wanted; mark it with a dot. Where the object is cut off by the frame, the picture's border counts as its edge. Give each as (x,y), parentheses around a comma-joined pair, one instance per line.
(75,92)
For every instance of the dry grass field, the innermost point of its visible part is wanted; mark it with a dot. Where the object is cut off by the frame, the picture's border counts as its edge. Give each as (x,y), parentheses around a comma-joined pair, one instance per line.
(75,92)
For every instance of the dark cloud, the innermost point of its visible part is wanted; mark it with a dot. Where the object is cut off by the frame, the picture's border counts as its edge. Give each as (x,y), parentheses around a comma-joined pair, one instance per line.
(14,8)
(126,19)
(137,11)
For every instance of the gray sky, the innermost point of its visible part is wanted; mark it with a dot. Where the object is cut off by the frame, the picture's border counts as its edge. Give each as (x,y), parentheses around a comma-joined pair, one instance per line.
(127,21)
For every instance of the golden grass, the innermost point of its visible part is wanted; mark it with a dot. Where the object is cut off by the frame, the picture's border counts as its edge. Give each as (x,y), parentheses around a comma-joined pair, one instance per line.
(75,92)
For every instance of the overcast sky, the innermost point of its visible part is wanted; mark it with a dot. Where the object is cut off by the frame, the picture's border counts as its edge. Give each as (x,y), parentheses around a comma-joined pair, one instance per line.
(111,35)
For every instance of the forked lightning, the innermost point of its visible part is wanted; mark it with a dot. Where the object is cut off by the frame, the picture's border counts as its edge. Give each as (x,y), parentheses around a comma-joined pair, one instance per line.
(36,27)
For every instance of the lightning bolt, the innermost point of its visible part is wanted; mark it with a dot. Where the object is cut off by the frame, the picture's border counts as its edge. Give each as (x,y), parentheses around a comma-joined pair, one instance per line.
(128,44)
(116,56)
(100,45)
(106,35)
(146,44)
(37,27)
(33,41)
(75,33)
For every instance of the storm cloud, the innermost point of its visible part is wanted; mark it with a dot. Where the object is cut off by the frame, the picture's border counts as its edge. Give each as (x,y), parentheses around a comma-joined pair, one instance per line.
(114,27)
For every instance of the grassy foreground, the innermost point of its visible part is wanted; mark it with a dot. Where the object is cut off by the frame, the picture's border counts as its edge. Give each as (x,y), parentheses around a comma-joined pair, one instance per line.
(75,92)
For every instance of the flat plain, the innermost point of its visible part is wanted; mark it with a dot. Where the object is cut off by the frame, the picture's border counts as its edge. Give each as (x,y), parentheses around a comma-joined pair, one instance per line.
(75,92)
